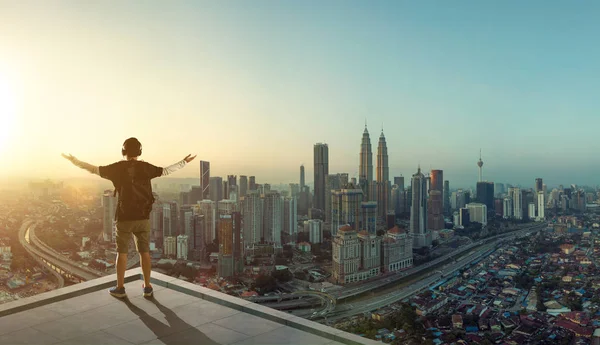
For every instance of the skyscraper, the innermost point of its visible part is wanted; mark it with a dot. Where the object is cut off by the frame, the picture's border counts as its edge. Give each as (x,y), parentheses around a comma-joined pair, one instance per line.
(321,163)
(251,183)
(346,208)
(399,181)
(208,209)
(290,217)
(434,208)
(485,194)
(225,264)
(383,178)
(272,217)
(243,185)
(253,218)
(447,197)
(332,182)
(109,204)
(517,201)
(216,189)
(205,179)
(539,185)
(365,174)
(437,180)
(418,211)
(302,177)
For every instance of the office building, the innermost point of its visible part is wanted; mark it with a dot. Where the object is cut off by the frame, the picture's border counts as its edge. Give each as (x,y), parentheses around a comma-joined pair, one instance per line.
(290,217)
(346,255)
(539,185)
(302,181)
(197,242)
(208,209)
(216,188)
(399,181)
(332,182)
(370,255)
(205,179)
(446,197)
(396,250)
(225,263)
(251,183)
(156,222)
(109,206)
(170,219)
(485,194)
(477,213)
(243,185)
(418,213)
(437,181)
(435,213)
(321,164)
(463,217)
(314,228)
(182,247)
(383,178)
(396,199)
(294,190)
(365,169)
(346,208)
(368,216)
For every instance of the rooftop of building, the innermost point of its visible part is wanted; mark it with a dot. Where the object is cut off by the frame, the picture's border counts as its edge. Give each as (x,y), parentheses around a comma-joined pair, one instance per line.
(179,313)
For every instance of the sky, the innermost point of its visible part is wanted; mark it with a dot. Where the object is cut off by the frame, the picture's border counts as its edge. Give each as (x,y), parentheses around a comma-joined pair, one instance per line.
(251,86)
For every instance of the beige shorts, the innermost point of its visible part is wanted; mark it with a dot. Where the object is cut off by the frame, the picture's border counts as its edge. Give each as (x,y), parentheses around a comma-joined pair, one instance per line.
(141,232)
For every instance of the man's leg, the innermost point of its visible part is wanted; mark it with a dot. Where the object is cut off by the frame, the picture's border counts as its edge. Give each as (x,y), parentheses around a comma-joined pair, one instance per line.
(123,238)
(121,267)
(142,243)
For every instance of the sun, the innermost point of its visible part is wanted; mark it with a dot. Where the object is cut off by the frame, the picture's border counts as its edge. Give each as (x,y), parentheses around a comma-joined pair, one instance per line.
(7,111)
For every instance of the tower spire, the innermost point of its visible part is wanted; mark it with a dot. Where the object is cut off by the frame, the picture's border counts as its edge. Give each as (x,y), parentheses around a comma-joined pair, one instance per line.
(480,165)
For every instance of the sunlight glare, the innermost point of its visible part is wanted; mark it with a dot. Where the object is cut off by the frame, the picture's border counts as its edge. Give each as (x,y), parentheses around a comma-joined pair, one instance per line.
(7,111)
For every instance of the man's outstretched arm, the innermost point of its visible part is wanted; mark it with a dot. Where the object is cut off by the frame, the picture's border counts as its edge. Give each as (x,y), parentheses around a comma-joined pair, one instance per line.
(83,165)
(174,167)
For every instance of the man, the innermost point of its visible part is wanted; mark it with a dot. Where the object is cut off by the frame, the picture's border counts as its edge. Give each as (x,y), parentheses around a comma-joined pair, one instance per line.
(131,178)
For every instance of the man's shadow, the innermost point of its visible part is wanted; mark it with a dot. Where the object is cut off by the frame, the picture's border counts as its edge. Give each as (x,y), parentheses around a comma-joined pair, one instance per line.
(176,332)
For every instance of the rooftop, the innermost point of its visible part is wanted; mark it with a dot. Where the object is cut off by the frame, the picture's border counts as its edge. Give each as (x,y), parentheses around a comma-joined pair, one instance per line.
(179,313)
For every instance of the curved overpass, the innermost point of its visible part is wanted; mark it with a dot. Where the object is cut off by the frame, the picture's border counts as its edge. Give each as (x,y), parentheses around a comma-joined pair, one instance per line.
(54,261)
(36,255)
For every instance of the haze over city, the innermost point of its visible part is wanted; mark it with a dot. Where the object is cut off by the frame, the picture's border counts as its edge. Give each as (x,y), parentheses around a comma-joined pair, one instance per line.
(251,86)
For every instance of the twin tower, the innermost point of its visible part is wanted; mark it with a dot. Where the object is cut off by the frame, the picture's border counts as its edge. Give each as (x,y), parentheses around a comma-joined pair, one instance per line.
(375,190)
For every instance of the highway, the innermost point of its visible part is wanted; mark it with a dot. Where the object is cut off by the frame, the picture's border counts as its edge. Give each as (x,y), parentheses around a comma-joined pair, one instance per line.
(34,254)
(55,262)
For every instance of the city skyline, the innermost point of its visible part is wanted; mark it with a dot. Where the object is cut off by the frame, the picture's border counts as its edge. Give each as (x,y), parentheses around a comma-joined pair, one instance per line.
(474,75)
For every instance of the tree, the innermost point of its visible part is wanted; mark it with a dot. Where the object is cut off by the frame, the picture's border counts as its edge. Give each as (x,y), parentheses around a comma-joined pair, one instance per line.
(265,283)
(283,275)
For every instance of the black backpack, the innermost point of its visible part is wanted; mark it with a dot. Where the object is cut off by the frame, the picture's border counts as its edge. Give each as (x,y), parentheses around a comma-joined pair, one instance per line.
(135,192)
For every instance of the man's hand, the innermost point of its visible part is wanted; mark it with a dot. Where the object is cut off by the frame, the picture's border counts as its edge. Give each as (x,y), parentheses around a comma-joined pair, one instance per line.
(69,157)
(188,158)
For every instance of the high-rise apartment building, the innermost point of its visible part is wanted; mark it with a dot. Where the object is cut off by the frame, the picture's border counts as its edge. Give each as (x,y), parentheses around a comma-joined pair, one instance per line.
(383,178)
(517,201)
(109,205)
(541,206)
(418,212)
(314,228)
(170,219)
(251,183)
(346,208)
(243,185)
(252,213)
(182,247)
(290,217)
(507,207)
(365,173)
(272,217)
(477,213)
(205,179)
(531,211)
(321,164)
(170,246)
(156,222)
(216,188)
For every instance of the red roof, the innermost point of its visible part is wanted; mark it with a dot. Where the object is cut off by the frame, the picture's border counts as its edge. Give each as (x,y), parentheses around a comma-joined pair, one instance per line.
(397,230)
(346,228)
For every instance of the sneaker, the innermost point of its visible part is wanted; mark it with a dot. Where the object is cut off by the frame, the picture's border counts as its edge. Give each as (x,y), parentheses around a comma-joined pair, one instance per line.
(148,291)
(118,292)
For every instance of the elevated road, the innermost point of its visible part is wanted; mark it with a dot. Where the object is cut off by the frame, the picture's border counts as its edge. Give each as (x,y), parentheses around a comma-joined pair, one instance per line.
(24,240)
(55,262)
